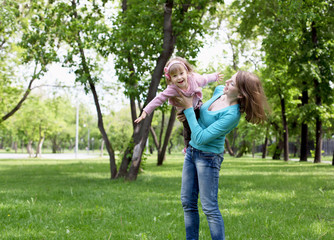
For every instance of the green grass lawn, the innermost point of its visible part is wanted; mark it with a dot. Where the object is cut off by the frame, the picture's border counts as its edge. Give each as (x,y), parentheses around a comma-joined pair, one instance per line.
(74,199)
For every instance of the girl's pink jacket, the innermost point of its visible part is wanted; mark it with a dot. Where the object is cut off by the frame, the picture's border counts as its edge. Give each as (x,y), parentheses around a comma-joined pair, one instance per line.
(195,81)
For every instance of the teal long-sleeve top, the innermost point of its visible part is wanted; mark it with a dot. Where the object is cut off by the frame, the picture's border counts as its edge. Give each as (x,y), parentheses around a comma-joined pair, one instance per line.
(209,131)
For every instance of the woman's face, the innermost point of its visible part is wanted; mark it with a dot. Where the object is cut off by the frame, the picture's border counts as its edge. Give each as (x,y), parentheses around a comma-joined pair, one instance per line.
(230,88)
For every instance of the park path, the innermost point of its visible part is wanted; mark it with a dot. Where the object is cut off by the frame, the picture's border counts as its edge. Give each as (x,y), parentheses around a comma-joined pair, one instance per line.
(79,156)
(51,156)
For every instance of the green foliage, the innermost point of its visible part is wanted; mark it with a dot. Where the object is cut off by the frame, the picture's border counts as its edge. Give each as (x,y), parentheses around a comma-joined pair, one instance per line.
(119,125)
(137,39)
(299,50)
(74,199)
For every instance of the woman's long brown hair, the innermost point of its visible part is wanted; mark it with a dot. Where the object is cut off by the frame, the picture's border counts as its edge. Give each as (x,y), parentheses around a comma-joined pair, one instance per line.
(253,101)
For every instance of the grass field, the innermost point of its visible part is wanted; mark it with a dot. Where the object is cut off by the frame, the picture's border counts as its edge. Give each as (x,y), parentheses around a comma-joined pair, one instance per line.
(74,199)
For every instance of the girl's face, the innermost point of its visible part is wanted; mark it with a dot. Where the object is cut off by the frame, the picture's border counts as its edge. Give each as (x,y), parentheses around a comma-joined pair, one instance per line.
(230,88)
(179,77)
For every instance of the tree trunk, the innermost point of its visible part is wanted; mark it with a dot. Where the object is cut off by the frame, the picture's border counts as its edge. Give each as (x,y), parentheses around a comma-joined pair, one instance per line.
(133,111)
(110,150)
(19,104)
(318,141)
(39,147)
(171,121)
(318,102)
(29,148)
(333,159)
(278,151)
(162,125)
(15,146)
(235,136)
(170,146)
(265,145)
(102,146)
(155,138)
(40,143)
(264,148)
(139,138)
(123,169)
(242,149)
(228,147)
(304,130)
(87,75)
(141,130)
(285,130)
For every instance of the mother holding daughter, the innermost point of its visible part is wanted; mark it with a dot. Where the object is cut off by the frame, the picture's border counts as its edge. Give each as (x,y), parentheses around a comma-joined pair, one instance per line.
(243,93)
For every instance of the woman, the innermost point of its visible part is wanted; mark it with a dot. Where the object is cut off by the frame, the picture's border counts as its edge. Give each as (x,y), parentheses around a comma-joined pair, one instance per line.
(243,93)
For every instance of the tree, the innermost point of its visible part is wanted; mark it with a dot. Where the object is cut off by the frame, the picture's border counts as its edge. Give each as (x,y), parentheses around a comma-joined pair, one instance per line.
(80,26)
(162,146)
(33,48)
(296,39)
(150,33)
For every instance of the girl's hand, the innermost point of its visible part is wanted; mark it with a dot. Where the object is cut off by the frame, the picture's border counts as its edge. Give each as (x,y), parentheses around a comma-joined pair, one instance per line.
(220,78)
(183,101)
(142,116)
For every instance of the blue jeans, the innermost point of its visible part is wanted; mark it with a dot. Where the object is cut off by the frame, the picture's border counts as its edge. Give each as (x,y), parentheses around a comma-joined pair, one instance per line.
(200,175)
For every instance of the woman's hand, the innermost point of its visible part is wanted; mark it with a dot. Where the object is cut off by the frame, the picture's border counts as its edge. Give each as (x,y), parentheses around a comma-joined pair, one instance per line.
(181,117)
(183,101)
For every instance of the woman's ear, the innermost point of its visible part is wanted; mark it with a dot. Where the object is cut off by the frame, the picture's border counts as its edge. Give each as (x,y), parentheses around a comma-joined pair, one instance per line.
(240,96)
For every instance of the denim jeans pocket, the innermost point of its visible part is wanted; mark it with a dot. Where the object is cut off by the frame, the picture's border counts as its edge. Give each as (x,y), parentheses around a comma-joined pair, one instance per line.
(213,160)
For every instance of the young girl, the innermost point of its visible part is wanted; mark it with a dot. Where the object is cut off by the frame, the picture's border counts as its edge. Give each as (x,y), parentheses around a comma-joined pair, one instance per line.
(180,76)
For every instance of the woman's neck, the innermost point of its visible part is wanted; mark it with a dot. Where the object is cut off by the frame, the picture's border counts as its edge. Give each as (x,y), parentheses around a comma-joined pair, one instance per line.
(230,101)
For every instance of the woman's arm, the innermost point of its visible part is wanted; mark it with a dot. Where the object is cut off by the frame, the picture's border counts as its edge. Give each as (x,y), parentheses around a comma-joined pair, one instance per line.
(220,127)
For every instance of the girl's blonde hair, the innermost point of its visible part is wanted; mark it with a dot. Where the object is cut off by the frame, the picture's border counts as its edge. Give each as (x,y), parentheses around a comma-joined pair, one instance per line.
(176,64)
(253,101)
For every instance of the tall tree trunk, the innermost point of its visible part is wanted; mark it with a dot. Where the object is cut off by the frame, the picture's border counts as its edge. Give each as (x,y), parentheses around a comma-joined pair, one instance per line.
(85,68)
(285,130)
(123,169)
(318,102)
(318,134)
(169,129)
(141,130)
(112,162)
(304,129)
